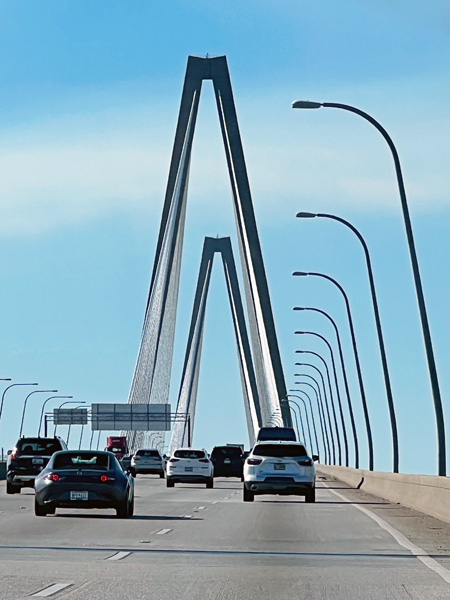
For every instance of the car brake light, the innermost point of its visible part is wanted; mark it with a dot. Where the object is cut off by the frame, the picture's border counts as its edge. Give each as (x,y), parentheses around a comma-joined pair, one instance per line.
(204,460)
(53,477)
(172,460)
(306,462)
(136,458)
(12,456)
(254,461)
(106,478)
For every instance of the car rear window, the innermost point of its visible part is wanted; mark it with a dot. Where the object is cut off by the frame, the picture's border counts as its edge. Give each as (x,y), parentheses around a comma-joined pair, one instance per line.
(279,450)
(38,446)
(277,433)
(226,451)
(189,454)
(87,460)
(153,453)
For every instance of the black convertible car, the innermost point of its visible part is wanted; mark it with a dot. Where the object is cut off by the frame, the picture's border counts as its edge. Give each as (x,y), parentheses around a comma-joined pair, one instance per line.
(83,479)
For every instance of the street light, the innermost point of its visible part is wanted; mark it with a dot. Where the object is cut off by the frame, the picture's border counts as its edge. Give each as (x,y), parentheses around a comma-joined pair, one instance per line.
(68,402)
(10,386)
(301,421)
(355,352)
(384,364)
(42,412)
(344,430)
(344,375)
(70,424)
(296,421)
(324,439)
(439,413)
(331,454)
(25,404)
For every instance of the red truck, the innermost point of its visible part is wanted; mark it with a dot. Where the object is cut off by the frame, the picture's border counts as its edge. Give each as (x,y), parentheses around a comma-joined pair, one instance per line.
(118,445)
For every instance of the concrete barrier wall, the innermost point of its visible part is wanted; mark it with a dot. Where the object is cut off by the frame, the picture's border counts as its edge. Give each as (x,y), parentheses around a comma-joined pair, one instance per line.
(426,493)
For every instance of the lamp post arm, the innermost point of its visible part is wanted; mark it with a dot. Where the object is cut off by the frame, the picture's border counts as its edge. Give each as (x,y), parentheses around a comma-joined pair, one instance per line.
(314,422)
(331,455)
(307,420)
(296,420)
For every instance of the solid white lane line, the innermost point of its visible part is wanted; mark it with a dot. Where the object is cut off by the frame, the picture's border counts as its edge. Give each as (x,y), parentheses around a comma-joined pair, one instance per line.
(201,507)
(119,556)
(162,531)
(215,502)
(416,551)
(52,589)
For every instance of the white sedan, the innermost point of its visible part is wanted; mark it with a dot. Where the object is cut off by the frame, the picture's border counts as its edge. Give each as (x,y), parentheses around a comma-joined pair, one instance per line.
(275,467)
(188,465)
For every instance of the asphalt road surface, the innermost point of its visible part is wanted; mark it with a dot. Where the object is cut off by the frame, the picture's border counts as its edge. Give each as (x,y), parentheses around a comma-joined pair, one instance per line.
(192,543)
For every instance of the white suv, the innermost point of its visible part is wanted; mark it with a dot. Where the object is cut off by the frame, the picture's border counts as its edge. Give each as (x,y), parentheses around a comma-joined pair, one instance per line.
(187,465)
(276,467)
(147,461)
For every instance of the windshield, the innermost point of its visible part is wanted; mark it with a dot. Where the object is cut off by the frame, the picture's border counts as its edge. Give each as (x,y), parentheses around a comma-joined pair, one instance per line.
(189,454)
(279,450)
(152,453)
(85,460)
(38,446)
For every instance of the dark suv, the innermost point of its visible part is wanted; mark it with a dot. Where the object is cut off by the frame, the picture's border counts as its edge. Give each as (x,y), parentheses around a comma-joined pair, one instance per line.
(227,461)
(27,459)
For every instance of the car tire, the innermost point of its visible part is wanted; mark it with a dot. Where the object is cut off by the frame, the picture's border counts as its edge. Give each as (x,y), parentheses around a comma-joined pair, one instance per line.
(210,483)
(122,509)
(161,475)
(132,472)
(170,483)
(12,489)
(39,511)
(51,510)
(131,508)
(310,496)
(249,496)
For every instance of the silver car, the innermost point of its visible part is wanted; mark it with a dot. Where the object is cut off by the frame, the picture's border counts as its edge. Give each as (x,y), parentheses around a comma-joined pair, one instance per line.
(147,460)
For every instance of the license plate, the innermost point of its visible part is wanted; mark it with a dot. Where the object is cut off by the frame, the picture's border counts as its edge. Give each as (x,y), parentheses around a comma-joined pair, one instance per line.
(37,461)
(280,467)
(188,468)
(227,461)
(78,495)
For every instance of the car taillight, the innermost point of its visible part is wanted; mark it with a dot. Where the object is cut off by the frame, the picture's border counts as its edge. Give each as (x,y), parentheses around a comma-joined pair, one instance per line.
(305,462)
(204,460)
(53,477)
(12,456)
(254,461)
(106,478)
(172,460)
(136,458)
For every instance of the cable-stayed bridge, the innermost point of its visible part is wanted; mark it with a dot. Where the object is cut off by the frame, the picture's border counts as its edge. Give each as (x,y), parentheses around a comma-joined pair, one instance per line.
(260,363)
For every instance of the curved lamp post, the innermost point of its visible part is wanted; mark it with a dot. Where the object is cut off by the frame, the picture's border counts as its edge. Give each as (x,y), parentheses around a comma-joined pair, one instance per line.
(296,420)
(439,413)
(344,430)
(314,422)
(42,411)
(344,375)
(376,312)
(70,425)
(68,402)
(332,452)
(355,351)
(6,389)
(25,404)
(307,419)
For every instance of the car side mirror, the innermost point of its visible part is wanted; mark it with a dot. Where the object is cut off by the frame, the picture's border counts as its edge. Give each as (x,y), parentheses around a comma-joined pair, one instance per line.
(315,457)
(9,452)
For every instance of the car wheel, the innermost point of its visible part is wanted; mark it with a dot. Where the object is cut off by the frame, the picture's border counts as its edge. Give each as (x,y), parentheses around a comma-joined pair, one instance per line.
(51,510)
(131,507)
(132,472)
(12,489)
(310,496)
(170,483)
(210,483)
(39,511)
(249,496)
(122,509)
(161,475)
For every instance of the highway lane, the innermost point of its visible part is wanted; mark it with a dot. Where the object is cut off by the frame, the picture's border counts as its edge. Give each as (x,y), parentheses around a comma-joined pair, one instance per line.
(191,543)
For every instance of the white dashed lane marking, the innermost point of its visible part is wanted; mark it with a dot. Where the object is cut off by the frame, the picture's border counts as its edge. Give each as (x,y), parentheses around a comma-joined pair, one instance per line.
(51,590)
(162,531)
(119,556)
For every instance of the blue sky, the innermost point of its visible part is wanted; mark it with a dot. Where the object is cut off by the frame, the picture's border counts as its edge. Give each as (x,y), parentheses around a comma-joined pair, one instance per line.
(89,95)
